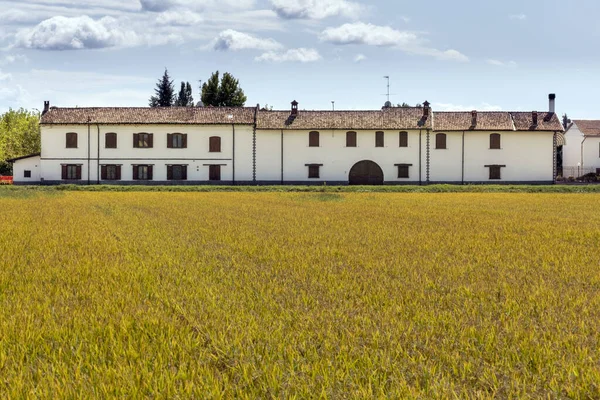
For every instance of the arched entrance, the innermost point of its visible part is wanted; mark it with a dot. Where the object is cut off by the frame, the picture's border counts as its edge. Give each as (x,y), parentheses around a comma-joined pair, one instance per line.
(366,173)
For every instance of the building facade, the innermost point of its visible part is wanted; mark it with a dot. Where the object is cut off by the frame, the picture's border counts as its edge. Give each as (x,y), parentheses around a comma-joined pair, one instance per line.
(253,146)
(581,152)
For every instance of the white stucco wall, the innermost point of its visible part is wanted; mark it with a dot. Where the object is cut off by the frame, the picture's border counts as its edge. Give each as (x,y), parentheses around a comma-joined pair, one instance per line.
(580,156)
(446,164)
(337,159)
(27,164)
(196,155)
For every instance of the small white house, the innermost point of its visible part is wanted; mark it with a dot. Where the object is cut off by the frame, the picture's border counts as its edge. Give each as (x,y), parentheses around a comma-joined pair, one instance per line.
(26,170)
(247,145)
(581,153)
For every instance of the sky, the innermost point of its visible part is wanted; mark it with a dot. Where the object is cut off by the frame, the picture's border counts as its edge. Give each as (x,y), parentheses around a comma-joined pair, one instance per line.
(459,55)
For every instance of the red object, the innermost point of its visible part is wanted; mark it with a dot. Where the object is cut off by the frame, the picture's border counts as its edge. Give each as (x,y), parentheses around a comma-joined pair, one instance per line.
(6,180)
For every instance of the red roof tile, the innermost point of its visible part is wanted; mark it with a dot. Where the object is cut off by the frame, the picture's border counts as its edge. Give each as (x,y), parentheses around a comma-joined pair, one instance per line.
(588,127)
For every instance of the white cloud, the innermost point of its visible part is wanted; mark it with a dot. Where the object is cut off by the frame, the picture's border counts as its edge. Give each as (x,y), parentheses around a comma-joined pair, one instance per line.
(359,33)
(157,5)
(458,107)
(12,58)
(498,63)
(315,9)
(302,55)
(175,18)
(359,58)
(63,33)
(518,17)
(234,40)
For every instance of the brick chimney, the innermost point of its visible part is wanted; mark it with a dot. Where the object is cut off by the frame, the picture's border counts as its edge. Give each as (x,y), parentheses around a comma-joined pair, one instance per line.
(552,100)
(534,117)
(426,109)
(46,107)
(473,119)
(294,108)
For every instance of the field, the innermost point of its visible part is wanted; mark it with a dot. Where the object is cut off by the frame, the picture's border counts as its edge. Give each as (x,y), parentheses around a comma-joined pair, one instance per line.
(299,295)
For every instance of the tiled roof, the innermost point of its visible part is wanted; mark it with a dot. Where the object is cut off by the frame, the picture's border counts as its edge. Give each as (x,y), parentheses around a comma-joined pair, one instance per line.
(146,115)
(389,118)
(546,121)
(588,127)
(495,121)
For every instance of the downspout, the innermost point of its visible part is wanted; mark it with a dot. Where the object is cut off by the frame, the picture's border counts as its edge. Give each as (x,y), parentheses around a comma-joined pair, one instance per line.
(463,159)
(554,158)
(582,142)
(282,156)
(233,157)
(427,158)
(98,164)
(89,151)
(254,145)
(420,159)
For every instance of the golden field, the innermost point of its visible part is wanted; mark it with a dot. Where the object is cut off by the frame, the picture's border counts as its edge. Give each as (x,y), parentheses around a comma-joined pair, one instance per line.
(299,295)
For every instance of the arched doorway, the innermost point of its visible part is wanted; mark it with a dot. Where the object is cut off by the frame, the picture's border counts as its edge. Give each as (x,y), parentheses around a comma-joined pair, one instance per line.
(366,173)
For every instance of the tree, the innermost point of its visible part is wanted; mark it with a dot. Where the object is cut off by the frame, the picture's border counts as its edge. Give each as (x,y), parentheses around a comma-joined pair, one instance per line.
(165,92)
(227,93)
(19,136)
(406,105)
(565,121)
(185,98)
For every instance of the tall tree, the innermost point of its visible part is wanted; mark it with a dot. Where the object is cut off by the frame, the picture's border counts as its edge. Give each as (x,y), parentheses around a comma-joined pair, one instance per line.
(566,121)
(19,136)
(227,93)
(185,98)
(165,92)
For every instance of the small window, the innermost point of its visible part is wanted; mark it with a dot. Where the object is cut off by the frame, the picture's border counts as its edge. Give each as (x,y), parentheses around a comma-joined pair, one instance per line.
(440,141)
(176,172)
(110,172)
(350,139)
(214,144)
(176,141)
(142,172)
(495,141)
(143,140)
(403,170)
(313,139)
(26,174)
(314,170)
(403,139)
(110,140)
(71,140)
(379,139)
(214,172)
(495,171)
(71,172)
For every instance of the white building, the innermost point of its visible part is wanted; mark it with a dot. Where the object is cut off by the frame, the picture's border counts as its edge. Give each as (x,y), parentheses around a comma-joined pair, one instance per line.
(253,146)
(581,153)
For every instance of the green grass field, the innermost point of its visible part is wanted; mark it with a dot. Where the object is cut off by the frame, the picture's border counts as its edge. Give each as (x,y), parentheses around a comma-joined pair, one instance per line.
(299,295)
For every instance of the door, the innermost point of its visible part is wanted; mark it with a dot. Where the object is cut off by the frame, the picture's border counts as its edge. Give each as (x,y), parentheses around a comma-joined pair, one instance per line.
(366,173)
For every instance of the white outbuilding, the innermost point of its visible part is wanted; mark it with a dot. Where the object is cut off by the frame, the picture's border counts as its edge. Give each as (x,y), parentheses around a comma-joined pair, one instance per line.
(581,153)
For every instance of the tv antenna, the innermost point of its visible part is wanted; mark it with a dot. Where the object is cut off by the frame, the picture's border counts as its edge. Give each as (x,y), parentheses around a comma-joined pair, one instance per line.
(388,103)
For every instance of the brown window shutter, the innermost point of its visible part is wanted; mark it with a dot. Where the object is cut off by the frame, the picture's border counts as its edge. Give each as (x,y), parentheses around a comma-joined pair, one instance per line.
(185,141)
(350,139)
(136,140)
(169,141)
(440,141)
(218,145)
(169,172)
(150,172)
(313,139)
(214,144)
(403,139)
(64,172)
(103,173)
(78,173)
(184,171)
(118,173)
(379,139)
(495,141)
(151,140)
(135,172)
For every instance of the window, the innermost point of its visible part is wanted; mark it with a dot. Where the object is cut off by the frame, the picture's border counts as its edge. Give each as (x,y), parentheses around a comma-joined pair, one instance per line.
(110,140)
(176,172)
(214,144)
(313,139)
(403,170)
(379,139)
(314,171)
(350,139)
(110,172)
(71,140)
(142,172)
(143,140)
(403,139)
(495,171)
(495,141)
(214,172)
(71,171)
(26,174)
(440,141)
(176,141)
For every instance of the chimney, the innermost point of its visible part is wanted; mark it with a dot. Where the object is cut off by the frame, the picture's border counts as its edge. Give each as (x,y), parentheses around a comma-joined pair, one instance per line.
(426,110)
(473,119)
(294,108)
(552,99)
(534,117)
(46,107)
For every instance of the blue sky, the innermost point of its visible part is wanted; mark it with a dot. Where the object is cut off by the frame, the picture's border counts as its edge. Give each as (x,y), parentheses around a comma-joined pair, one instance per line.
(459,55)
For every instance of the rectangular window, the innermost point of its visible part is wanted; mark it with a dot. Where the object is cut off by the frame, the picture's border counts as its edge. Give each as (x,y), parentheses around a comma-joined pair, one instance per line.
(495,141)
(214,172)
(142,172)
(403,170)
(314,171)
(176,141)
(350,139)
(110,140)
(214,144)
(403,139)
(176,172)
(71,172)
(379,139)
(110,172)
(440,141)
(495,171)
(71,140)
(313,139)
(143,140)
(26,174)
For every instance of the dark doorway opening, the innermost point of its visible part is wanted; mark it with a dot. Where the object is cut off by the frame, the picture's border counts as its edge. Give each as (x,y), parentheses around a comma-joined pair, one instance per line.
(366,173)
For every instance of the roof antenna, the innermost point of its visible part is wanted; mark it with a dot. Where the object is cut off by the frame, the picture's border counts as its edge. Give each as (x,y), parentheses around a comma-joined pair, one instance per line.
(332,105)
(388,87)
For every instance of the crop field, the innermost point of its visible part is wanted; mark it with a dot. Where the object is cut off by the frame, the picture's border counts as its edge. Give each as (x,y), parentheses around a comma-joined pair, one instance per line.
(299,295)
